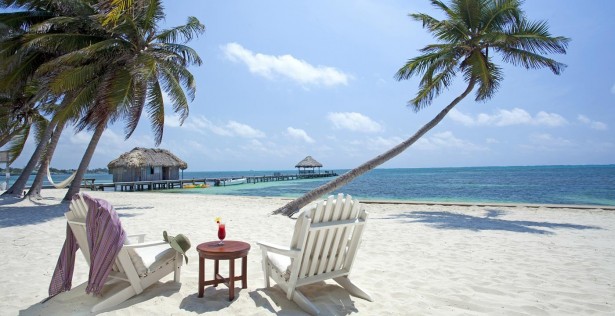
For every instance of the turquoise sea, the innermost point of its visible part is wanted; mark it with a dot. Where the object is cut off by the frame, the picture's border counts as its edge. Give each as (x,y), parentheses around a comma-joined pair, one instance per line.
(583,185)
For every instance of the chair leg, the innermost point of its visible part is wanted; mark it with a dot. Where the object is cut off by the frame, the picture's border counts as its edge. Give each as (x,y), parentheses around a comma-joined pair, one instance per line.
(176,273)
(115,299)
(265,268)
(304,303)
(298,297)
(352,288)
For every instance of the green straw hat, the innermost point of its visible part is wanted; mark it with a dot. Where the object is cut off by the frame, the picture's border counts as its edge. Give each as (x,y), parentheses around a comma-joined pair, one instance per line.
(180,243)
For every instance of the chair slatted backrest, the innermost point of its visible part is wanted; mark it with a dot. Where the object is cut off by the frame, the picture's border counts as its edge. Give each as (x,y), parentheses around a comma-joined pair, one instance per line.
(332,238)
(76,216)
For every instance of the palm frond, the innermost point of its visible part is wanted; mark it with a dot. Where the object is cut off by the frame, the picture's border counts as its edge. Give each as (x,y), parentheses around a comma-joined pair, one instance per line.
(535,37)
(21,21)
(193,28)
(74,78)
(18,142)
(40,124)
(182,75)
(188,55)
(468,12)
(174,90)
(138,98)
(529,60)
(471,30)
(484,72)
(155,111)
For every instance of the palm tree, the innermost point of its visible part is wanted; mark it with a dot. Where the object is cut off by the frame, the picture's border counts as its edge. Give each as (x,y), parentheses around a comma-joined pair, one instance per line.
(124,75)
(95,91)
(471,30)
(24,49)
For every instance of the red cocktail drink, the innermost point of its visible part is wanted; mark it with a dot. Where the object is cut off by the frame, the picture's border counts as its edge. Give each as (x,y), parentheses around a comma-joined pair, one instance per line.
(221,232)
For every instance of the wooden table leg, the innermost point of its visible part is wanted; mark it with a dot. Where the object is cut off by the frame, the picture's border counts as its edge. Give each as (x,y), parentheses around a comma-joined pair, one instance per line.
(201,275)
(244,272)
(216,271)
(231,281)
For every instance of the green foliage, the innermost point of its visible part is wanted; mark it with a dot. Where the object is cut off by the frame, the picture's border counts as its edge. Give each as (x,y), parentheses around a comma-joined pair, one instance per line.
(90,63)
(471,31)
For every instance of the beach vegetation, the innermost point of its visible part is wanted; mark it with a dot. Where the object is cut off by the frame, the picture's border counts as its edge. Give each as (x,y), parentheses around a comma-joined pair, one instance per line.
(100,72)
(468,39)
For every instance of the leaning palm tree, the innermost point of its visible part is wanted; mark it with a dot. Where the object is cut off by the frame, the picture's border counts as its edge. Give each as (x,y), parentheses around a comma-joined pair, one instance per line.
(471,31)
(124,75)
(38,31)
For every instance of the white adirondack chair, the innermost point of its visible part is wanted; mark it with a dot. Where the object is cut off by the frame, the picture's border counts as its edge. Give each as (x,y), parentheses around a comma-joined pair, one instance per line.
(137,265)
(324,246)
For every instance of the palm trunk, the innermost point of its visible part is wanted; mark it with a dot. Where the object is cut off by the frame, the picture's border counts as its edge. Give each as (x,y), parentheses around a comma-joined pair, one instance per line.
(19,185)
(295,205)
(37,184)
(75,186)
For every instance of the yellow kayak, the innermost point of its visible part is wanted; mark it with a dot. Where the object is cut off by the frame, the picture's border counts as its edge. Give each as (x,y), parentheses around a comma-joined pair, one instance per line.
(195,186)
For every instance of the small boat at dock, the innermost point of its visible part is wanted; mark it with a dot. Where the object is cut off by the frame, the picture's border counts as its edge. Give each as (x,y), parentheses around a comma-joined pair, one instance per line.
(226,182)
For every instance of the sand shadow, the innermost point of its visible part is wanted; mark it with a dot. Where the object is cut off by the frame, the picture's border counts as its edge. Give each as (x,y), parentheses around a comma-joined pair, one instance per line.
(214,299)
(448,220)
(79,303)
(331,299)
(131,207)
(19,216)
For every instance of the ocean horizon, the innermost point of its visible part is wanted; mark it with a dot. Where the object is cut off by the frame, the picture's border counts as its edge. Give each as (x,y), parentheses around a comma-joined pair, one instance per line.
(564,184)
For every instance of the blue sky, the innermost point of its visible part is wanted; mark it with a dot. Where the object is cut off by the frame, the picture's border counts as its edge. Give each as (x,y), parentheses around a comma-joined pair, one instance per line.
(285,79)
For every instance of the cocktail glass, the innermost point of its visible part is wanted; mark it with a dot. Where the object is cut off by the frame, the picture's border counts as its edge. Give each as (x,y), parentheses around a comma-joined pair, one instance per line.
(221,233)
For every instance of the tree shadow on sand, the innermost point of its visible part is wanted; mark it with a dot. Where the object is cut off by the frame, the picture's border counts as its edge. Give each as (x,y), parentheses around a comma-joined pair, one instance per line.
(11,216)
(18,216)
(448,220)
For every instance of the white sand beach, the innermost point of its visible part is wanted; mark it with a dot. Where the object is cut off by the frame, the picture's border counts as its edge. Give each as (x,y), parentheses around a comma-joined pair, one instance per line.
(414,259)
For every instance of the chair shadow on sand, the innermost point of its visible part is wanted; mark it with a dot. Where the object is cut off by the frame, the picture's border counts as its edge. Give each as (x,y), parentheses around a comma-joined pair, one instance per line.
(448,220)
(330,298)
(81,303)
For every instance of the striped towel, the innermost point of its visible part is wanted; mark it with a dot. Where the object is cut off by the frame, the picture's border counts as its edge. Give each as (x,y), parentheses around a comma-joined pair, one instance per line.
(62,278)
(105,240)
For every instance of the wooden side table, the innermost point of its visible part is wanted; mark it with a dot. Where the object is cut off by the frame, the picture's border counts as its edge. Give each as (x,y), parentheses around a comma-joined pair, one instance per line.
(230,251)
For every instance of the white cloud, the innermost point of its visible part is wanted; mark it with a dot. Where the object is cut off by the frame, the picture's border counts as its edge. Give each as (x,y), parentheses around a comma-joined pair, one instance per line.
(81,138)
(300,134)
(446,140)
(549,119)
(171,121)
(244,130)
(354,121)
(515,116)
(201,124)
(592,124)
(547,140)
(378,143)
(287,66)
(464,119)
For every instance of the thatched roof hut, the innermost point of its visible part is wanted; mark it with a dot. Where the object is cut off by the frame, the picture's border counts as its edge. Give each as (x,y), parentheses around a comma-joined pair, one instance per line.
(308,163)
(146,164)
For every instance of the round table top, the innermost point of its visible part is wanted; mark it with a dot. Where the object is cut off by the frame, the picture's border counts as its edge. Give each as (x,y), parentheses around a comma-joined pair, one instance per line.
(231,249)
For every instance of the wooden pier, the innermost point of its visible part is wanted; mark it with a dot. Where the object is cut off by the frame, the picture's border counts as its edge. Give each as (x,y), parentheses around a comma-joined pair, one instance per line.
(172,184)
(287,177)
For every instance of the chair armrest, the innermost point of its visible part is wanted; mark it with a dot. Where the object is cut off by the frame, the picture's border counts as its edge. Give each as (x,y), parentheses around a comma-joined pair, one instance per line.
(140,237)
(286,251)
(146,244)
